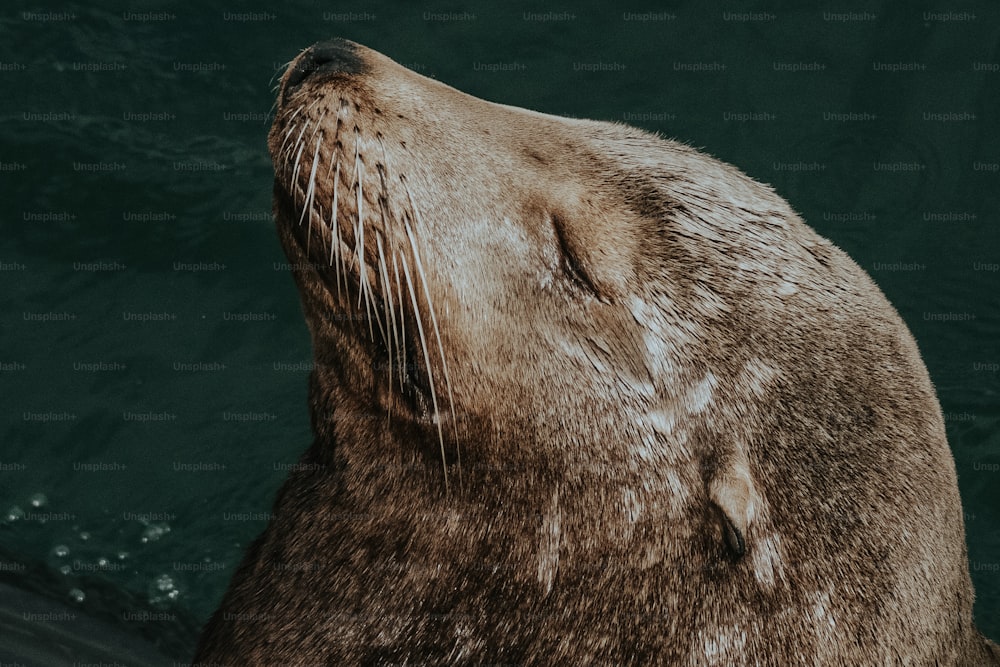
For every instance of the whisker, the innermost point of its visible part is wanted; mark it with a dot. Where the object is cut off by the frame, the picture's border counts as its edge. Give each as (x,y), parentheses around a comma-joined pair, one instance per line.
(279,73)
(295,113)
(374,310)
(298,139)
(333,159)
(335,255)
(401,353)
(430,372)
(288,134)
(302,131)
(359,245)
(386,303)
(383,269)
(311,192)
(437,332)
(319,123)
(388,223)
(295,174)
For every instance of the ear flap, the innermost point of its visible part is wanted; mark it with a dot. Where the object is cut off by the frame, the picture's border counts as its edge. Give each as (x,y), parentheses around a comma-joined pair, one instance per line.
(732,492)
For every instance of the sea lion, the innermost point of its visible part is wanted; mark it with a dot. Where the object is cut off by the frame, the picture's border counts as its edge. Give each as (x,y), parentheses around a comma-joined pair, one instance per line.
(583,396)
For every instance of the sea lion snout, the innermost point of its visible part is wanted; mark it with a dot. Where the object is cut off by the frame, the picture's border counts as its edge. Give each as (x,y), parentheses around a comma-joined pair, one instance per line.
(334,56)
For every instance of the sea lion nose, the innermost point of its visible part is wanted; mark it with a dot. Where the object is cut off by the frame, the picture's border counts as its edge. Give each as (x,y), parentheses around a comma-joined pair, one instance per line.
(333,56)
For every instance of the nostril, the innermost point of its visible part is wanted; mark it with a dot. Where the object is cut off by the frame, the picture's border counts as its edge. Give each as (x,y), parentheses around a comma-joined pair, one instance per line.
(336,55)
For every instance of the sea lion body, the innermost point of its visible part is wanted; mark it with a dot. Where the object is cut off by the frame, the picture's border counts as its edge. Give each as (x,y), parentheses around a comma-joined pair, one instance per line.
(583,396)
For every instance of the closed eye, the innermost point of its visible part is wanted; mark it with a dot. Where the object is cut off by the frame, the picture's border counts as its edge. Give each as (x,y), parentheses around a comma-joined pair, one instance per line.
(571,268)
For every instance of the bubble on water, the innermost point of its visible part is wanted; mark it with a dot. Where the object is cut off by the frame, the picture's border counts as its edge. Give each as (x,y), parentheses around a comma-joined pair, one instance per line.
(84,535)
(103,562)
(154,531)
(60,551)
(122,555)
(14,513)
(163,590)
(65,569)
(38,500)
(76,595)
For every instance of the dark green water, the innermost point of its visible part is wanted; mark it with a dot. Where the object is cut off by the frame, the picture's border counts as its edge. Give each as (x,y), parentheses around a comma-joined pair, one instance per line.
(149,408)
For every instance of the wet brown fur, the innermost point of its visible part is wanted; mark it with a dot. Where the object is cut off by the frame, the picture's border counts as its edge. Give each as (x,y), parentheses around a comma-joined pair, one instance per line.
(673,425)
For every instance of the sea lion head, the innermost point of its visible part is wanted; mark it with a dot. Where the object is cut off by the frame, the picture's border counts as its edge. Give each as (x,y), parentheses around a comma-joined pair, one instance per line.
(531,279)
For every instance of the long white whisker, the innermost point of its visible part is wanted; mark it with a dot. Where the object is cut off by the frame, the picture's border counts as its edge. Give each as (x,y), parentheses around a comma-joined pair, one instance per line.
(302,132)
(295,113)
(295,174)
(364,293)
(437,332)
(311,192)
(401,338)
(288,134)
(335,229)
(359,236)
(334,158)
(430,372)
(298,139)
(319,124)
(386,303)
(374,311)
(388,223)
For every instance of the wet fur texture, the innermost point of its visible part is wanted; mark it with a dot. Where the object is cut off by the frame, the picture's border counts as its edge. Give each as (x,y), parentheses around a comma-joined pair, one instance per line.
(584,396)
